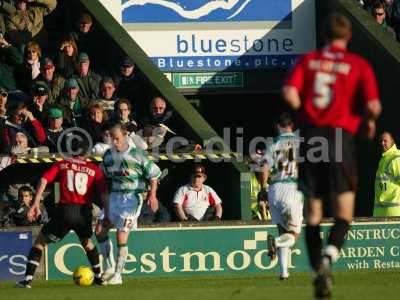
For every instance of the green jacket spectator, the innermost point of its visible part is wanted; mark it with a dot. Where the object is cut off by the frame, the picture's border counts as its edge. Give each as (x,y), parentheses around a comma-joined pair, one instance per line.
(30,17)
(10,59)
(73,106)
(379,13)
(5,9)
(88,81)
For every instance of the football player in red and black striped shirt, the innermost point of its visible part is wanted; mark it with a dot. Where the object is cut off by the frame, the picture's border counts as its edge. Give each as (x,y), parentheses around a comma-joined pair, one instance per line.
(80,181)
(334,91)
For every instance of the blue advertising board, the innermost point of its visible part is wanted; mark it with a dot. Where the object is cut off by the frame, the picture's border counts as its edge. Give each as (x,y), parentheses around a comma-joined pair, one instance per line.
(14,249)
(218,35)
(172,11)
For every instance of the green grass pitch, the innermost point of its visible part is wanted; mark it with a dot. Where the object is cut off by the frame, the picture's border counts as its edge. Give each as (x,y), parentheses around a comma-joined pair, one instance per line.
(347,285)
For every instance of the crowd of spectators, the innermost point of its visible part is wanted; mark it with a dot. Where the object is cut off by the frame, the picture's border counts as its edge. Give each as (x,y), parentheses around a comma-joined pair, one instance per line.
(48,85)
(57,74)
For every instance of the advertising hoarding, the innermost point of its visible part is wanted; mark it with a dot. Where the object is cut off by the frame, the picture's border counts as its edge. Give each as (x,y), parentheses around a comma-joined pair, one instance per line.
(14,249)
(218,35)
(223,250)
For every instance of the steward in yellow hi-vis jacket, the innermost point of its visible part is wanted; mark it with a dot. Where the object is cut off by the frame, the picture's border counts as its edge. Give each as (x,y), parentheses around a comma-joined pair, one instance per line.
(387,180)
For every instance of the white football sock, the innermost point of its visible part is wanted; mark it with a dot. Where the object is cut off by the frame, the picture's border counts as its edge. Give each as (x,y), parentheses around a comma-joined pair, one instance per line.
(286,240)
(283,253)
(121,260)
(107,251)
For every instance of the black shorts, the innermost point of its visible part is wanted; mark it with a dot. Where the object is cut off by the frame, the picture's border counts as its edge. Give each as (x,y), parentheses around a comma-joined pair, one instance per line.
(326,171)
(69,217)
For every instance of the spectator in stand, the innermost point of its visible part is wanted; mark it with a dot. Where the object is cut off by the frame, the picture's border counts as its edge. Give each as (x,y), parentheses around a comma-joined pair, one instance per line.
(107,89)
(11,60)
(9,199)
(129,85)
(72,104)
(106,143)
(6,9)
(28,19)
(107,95)
(89,40)
(388,5)
(54,130)
(395,17)
(379,13)
(19,144)
(30,69)
(88,80)
(22,120)
(196,201)
(3,113)
(16,212)
(123,115)
(67,57)
(38,105)
(53,82)
(94,124)
(389,10)
(155,128)
(25,200)
(3,104)
(367,4)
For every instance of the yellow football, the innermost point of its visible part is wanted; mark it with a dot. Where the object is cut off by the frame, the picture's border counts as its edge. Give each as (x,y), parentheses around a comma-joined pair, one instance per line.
(83,276)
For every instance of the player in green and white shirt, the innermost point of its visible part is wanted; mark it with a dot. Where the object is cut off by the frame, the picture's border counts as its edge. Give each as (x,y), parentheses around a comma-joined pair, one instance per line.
(280,156)
(129,172)
(284,200)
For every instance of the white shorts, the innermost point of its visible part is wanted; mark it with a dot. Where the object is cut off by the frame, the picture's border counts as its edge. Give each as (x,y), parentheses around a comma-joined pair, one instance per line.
(124,210)
(286,205)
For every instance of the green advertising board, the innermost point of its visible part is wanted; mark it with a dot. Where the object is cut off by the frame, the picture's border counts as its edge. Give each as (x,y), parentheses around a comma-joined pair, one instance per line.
(207,80)
(181,251)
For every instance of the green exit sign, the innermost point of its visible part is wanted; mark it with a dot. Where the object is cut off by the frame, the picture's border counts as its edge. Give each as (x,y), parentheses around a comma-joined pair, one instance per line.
(207,80)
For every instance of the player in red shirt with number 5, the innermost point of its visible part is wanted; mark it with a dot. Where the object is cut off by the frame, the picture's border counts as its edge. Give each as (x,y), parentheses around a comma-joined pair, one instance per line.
(334,91)
(80,181)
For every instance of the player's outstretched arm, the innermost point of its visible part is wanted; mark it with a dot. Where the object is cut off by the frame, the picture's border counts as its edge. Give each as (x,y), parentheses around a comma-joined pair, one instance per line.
(34,211)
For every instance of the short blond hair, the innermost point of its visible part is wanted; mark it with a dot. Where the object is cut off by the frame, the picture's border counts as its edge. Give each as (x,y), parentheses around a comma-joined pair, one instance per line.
(337,26)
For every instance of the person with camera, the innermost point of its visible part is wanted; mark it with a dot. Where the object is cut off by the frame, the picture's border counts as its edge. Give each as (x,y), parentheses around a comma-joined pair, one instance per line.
(196,201)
